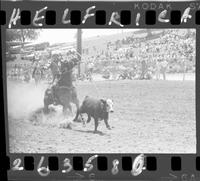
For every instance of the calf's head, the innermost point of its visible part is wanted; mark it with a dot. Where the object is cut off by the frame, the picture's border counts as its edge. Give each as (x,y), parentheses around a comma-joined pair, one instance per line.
(107,105)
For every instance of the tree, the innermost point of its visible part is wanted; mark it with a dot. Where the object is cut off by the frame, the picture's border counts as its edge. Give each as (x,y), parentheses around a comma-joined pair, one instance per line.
(22,35)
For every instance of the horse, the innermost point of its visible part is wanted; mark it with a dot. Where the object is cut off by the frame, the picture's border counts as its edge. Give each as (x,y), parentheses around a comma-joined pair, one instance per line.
(63,92)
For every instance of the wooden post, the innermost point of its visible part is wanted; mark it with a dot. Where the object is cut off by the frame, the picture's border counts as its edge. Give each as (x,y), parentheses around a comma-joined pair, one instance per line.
(184,68)
(79,48)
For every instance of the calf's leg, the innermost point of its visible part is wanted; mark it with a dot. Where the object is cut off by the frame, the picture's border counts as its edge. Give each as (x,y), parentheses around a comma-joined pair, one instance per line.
(106,123)
(89,119)
(95,125)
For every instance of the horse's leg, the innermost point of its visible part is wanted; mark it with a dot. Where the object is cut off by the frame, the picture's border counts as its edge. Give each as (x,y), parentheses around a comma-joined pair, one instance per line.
(46,105)
(47,100)
(70,109)
(65,107)
(76,102)
(46,108)
(78,109)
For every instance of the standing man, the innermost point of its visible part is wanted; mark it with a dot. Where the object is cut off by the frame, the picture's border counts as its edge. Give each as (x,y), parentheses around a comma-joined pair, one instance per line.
(37,72)
(161,67)
(15,72)
(164,65)
(90,70)
(158,60)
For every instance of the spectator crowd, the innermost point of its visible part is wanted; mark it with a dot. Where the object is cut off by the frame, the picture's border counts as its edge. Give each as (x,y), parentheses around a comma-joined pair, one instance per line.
(172,51)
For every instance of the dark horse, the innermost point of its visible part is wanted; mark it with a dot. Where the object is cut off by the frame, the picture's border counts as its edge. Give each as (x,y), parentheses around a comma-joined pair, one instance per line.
(63,92)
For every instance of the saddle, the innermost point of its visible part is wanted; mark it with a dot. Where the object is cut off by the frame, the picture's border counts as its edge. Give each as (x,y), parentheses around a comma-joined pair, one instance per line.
(54,88)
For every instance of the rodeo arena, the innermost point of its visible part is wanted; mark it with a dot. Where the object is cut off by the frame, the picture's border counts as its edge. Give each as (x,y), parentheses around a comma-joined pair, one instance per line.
(129,92)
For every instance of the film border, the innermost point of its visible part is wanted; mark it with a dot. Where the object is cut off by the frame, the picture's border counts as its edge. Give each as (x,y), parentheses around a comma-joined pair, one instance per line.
(188,161)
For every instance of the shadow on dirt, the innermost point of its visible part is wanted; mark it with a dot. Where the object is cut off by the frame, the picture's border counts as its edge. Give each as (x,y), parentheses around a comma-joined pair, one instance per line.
(92,132)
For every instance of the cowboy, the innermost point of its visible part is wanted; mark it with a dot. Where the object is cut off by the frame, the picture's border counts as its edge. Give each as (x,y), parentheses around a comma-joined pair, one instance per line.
(37,73)
(66,76)
(67,66)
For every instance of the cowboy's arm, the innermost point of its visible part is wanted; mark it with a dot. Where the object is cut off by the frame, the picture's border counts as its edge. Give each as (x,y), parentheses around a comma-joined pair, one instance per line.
(73,63)
(76,61)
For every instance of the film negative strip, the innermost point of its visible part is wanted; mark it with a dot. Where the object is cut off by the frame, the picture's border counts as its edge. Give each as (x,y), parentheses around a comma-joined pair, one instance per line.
(97,90)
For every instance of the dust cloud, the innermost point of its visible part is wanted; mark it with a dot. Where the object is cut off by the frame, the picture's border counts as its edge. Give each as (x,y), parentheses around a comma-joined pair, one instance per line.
(23,99)
(25,102)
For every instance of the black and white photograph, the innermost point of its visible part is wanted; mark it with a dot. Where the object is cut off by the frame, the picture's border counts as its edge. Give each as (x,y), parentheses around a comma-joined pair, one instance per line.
(111,0)
(101,90)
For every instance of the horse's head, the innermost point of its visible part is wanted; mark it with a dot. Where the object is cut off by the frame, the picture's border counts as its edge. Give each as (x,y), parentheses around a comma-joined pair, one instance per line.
(65,66)
(69,64)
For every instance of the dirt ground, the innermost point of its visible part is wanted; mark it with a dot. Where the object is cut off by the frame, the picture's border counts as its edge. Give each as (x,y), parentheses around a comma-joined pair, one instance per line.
(149,117)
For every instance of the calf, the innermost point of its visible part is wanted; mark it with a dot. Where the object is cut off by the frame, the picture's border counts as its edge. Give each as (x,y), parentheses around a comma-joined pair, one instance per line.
(98,109)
